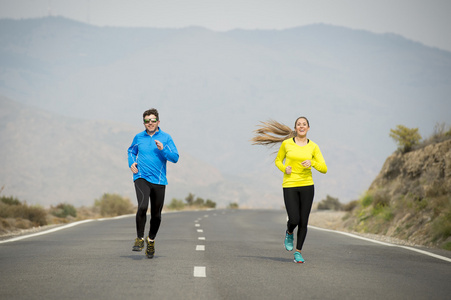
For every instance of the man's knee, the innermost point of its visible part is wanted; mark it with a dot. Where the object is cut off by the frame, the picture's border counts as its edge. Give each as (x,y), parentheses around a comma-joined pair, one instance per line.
(141,211)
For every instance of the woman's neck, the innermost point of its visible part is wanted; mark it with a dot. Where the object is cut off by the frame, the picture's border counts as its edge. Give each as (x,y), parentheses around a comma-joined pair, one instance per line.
(301,140)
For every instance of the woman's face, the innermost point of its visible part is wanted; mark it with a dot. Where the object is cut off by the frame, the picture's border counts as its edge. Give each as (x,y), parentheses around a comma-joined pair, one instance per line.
(302,127)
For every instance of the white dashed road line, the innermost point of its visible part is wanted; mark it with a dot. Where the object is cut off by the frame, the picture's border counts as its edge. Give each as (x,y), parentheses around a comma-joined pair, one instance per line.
(200,272)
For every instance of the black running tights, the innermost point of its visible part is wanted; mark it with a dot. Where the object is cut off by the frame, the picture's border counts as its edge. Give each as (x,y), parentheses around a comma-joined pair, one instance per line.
(144,191)
(298,203)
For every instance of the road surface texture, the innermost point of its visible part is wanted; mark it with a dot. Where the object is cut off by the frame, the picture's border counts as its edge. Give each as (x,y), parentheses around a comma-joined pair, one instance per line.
(215,254)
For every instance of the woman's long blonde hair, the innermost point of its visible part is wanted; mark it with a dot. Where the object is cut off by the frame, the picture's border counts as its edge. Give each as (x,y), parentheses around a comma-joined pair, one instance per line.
(272,132)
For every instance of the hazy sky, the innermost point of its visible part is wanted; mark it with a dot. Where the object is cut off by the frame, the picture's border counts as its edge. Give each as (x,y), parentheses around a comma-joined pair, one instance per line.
(425,21)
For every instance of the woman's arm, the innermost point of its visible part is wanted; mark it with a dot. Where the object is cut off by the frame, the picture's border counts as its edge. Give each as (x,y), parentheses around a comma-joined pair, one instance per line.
(318,161)
(280,158)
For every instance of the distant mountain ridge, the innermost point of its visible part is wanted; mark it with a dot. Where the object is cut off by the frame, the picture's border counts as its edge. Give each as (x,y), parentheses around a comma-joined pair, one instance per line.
(49,159)
(212,89)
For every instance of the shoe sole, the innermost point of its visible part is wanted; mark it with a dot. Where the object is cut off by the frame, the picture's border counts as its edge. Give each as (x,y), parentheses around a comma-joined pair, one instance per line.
(299,262)
(137,249)
(150,256)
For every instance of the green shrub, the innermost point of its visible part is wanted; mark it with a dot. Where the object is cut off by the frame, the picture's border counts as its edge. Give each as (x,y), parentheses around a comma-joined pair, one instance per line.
(233,205)
(442,226)
(383,212)
(421,204)
(35,214)
(210,204)
(440,134)
(367,200)
(199,202)
(330,203)
(189,199)
(10,200)
(381,198)
(176,204)
(406,138)
(111,205)
(351,205)
(63,210)
(447,246)
(5,211)
(388,214)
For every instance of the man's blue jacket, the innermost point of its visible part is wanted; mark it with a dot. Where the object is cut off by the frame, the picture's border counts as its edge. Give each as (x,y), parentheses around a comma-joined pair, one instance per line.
(152,161)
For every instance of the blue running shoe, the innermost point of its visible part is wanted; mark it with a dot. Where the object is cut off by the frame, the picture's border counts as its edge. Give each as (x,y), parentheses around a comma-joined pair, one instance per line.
(288,241)
(298,257)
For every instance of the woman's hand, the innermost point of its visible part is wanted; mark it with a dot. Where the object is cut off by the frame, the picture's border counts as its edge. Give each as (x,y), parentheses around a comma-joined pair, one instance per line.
(134,168)
(288,170)
(306,163)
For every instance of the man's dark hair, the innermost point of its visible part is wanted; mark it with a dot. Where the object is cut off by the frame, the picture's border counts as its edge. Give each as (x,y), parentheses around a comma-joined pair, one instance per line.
(152,111)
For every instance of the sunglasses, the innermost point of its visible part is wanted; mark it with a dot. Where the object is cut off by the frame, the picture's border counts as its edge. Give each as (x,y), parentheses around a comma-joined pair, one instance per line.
(146,121)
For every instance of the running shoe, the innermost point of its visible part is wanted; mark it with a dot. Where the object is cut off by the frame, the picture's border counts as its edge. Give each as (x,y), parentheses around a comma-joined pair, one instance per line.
(139,244)
(150,250)
(298,257)
(288,241)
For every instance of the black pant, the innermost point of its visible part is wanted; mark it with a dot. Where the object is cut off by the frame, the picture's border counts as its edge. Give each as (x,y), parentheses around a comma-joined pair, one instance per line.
(298,203)
(144,191)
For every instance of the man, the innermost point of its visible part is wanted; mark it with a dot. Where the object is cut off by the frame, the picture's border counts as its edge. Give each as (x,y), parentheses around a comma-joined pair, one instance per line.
(147,157)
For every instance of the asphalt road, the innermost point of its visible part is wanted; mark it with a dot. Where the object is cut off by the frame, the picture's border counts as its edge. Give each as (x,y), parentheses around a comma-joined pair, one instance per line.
(217,254)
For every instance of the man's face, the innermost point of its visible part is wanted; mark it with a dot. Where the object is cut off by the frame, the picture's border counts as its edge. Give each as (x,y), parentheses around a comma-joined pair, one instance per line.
(151,123)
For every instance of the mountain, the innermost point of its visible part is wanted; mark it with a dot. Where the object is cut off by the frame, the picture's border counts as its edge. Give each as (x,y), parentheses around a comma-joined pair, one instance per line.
(49,159)
(213,88)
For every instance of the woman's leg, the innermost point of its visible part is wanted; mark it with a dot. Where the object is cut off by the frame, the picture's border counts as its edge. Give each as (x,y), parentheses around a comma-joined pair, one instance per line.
(292,205)
(306,200)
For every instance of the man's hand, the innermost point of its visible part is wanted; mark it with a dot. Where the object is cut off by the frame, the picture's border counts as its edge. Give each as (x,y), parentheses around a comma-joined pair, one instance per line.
(159,144)
(134,168)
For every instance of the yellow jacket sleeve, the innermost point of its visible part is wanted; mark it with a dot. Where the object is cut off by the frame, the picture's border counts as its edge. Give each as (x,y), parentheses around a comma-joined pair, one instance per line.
(281,157)
(318,161)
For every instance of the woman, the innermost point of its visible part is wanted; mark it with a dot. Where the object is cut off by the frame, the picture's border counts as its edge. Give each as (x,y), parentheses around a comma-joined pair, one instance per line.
(296,157)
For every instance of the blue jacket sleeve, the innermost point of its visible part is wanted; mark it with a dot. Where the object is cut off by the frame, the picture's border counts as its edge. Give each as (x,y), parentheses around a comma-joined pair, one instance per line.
(132,152)
(170,151)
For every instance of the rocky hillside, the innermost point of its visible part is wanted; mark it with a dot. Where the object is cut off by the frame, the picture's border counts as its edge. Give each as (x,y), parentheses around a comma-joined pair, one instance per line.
(410,199)
(423,172)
